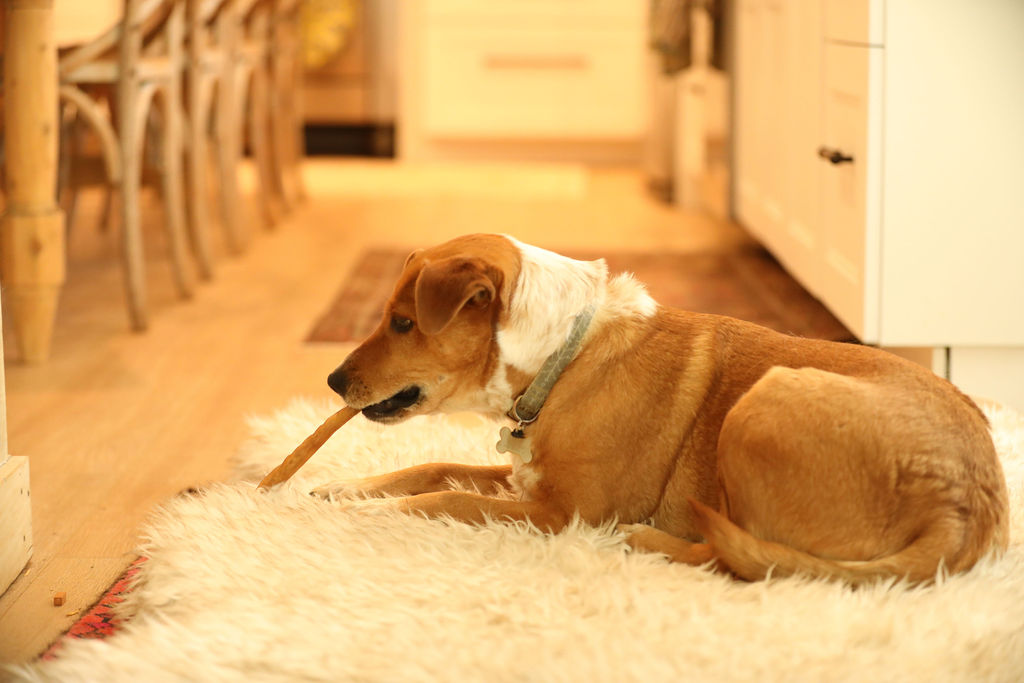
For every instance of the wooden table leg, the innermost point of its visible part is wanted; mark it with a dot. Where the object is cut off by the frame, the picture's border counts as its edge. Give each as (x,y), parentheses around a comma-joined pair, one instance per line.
(32,232)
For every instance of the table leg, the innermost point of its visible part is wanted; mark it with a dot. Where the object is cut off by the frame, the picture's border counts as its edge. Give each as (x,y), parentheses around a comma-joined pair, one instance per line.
(32,233)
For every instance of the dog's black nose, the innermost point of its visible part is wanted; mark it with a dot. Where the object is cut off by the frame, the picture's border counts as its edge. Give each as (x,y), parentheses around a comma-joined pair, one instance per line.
(338,381)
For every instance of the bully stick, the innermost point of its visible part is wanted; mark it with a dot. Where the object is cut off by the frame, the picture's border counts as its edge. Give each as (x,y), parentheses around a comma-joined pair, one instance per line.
(307,448)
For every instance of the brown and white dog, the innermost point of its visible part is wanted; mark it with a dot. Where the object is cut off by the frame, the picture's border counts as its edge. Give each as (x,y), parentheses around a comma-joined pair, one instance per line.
(759,451)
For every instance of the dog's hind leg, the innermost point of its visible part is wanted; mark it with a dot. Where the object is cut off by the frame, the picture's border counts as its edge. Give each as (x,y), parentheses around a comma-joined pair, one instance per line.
(421,479)
(834,476)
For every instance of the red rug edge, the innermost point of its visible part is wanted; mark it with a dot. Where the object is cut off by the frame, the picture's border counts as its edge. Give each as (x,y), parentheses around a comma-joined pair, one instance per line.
(99,621)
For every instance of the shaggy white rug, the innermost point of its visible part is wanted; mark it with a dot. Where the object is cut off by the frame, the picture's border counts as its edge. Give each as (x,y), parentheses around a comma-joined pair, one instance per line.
(279,586)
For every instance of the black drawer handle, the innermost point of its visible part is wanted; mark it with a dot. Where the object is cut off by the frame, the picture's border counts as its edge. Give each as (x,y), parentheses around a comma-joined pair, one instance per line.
(834,155)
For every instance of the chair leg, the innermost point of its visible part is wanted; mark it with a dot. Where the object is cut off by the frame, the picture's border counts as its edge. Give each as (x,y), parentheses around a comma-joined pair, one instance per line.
(199,94)
(278,151)
(133,143)
(260,133)
(297,111)
(289,132)
(251,94)
(131,98)
(278,98)
(90,112)
(74,145)
(131,229)
(67,150)
(107,210)
(173,194)
(229,124)
(227,165)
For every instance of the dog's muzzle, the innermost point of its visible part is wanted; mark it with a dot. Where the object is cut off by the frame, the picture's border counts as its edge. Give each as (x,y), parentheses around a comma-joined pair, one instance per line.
(391,406)
(341,383)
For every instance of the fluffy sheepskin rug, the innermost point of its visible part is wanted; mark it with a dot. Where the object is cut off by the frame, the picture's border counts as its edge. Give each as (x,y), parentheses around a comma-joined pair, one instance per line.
(279,586)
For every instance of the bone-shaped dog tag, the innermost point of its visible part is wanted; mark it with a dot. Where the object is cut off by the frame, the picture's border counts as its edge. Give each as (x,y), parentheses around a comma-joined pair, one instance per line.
(514,442)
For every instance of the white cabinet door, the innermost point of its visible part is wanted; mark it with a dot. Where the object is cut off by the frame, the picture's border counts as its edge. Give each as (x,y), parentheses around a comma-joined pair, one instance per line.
(850,185)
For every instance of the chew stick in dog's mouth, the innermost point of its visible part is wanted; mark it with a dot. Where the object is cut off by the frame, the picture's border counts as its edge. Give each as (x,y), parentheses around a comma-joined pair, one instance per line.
(305,450)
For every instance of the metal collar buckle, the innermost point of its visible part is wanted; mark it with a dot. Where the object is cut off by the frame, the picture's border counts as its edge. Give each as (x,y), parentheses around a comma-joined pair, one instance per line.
(514,414)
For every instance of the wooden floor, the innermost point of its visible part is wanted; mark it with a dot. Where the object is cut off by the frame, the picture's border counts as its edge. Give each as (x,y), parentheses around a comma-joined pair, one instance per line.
(117,422)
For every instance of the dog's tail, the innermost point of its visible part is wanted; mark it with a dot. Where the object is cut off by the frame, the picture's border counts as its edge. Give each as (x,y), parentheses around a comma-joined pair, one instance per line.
(753,559)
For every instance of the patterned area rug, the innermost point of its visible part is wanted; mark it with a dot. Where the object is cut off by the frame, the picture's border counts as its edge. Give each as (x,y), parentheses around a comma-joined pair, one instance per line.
(100,621)
(747,284)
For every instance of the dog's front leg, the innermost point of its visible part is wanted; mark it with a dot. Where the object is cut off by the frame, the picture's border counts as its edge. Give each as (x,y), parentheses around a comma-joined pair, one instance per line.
(413,481)
(474,508)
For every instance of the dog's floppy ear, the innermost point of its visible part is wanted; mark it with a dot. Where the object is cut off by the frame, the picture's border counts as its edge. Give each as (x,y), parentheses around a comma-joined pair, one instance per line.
(444,287)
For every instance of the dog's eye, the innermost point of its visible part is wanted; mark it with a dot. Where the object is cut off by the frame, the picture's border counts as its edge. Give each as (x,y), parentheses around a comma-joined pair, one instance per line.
(400,324)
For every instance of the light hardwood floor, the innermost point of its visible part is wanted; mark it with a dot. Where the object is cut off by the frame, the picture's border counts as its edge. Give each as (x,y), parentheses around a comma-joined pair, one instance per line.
(117,422)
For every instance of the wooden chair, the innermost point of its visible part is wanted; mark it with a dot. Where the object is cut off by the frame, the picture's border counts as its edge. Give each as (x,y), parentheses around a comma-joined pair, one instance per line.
(142,59)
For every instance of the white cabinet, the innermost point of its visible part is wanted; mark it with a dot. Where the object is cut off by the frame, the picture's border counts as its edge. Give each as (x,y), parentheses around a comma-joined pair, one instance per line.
(515,78)
(878,147)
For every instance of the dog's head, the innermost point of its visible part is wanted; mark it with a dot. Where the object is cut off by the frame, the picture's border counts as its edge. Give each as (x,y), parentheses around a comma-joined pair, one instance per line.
(435,348)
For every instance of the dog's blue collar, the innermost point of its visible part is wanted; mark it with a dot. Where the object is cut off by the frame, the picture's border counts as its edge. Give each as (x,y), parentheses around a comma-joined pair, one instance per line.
(528,404)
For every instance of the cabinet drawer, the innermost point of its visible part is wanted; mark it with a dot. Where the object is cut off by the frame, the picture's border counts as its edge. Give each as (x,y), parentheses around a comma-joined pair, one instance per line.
(850,157)
(543,83)
(855,21)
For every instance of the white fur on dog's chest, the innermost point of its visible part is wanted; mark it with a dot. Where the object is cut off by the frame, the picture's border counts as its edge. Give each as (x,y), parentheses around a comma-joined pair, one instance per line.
(549,293)
(525,478)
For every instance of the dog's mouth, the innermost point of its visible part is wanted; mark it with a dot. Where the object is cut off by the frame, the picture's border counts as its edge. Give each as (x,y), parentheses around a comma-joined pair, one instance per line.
(390,407)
